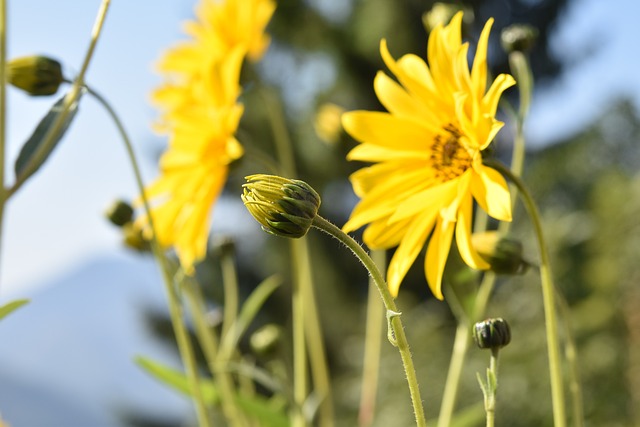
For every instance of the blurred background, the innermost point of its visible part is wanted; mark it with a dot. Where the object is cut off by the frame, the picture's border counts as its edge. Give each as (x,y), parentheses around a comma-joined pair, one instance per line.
(66,358)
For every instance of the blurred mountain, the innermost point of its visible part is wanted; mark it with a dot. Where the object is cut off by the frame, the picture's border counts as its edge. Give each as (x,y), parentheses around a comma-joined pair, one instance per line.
(66,358)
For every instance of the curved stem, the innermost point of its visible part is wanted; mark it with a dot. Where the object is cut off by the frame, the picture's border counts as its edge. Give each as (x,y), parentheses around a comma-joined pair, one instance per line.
(3,108)
(393,315)
(175,308)
(69,100)
(548,297)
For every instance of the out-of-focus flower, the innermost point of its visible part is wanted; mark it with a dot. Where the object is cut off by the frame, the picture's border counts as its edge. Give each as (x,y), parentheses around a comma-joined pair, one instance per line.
(503,254)
(200,113)
(428,155)
(284,207)
(327,123)
(442,13)
(36,75)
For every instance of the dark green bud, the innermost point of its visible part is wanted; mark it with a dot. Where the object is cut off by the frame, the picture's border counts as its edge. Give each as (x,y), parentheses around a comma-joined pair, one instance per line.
(492,333)
(518,38)
(224,246)
(284,207)
(36,75)
(504,254)
(119,213)
(133,237)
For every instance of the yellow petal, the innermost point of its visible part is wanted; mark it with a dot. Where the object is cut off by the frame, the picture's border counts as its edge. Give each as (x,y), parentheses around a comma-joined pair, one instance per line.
(431,199)
(492,97)
(395,99)
(410,247)
(366,179)
(491,192)
(382,235)
(479,70)
(463,236)
(375,153)
(387,130)
(437,254)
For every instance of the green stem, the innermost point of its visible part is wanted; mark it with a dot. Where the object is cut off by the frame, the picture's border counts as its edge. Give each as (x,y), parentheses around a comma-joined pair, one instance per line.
(313,334)
(175,308)
(548,297)
(492,386)
(372,346)
(395,324)
(3,107)
(70,99)
(230,285)
(299,349)
(460,345)
(209,343)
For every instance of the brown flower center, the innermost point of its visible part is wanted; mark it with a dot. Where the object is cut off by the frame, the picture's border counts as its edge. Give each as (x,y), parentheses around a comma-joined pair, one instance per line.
(448,157)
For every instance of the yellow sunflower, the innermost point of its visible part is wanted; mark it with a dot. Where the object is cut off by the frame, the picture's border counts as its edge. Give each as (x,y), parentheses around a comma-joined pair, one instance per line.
(200,113)
(427,151)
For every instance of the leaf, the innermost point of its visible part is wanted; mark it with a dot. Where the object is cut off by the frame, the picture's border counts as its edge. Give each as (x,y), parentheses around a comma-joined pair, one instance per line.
(257,407)
(24,166)
(248,312)
(11,306)
(178,380)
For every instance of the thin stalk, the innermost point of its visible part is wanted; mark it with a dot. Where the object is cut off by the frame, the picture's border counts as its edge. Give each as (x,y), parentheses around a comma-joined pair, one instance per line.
(313,334)
(458,356)
(395,324)
(3,107)
(299,350)
(209,344)
(70,99)
(490,398)
(175,308)
(548,297)
(230,285)
(312,331)
(372,346)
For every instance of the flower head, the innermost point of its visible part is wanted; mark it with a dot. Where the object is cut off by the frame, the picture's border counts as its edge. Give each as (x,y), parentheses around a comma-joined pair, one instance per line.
(200,114)
(284,207)
(36,75)
(492,333)
(427,151)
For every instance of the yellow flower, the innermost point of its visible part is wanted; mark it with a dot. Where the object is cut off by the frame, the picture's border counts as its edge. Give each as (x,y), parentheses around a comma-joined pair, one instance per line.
(427,152)
(200,113)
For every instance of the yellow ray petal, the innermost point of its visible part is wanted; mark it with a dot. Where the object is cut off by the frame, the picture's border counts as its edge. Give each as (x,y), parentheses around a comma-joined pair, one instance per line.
(463,235)
(492,97)
(409,248)
(430,199)
(387,130)
(437,254)
(395,98)
(382,235)
(375,153)
(479,70)
(491,192)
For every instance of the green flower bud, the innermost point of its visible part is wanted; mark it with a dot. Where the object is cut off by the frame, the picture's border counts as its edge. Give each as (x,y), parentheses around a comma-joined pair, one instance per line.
(503,254)
(492,333)
(518,38)
(119,213)
(134,238)
(266,340)
(224,246)
(36,75)
(284,207)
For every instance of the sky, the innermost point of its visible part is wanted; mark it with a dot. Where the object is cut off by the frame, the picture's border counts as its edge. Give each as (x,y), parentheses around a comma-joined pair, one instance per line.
(56,221)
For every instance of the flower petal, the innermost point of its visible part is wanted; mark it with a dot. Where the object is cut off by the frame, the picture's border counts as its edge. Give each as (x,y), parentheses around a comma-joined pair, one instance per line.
(382,235)
(492,97)
(463,236)
(437,254)
(491,192)
(387,130)
(428,200)
(396,99)
(410,246)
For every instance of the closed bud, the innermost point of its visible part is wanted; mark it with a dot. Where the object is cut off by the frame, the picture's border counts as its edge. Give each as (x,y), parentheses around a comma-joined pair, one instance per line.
(518,38)
(492,333)
(36,75)
(224,246)
(503,254)
(133,237)
(441,14)
(284,207)
(265,341)
(119,213)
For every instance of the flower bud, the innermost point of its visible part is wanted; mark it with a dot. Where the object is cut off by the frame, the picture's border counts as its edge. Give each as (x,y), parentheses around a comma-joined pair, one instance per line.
(36,75)
(284,207)
(518,38)
(327,123)
(265,340)
(134,238)
(441,14)
(119,213)
(503,254)
(492,333)
(224,246)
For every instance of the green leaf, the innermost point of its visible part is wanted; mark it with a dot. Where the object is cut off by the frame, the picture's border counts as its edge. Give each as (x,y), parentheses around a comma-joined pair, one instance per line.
(258,407)
(178,380)
(29,161)
(248,312)
(11,306)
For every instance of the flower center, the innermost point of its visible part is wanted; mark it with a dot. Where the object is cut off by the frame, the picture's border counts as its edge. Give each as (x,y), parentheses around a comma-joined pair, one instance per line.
(448,157)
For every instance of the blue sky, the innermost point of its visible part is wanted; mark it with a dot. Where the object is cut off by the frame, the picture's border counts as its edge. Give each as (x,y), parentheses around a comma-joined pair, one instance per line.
(56,222)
